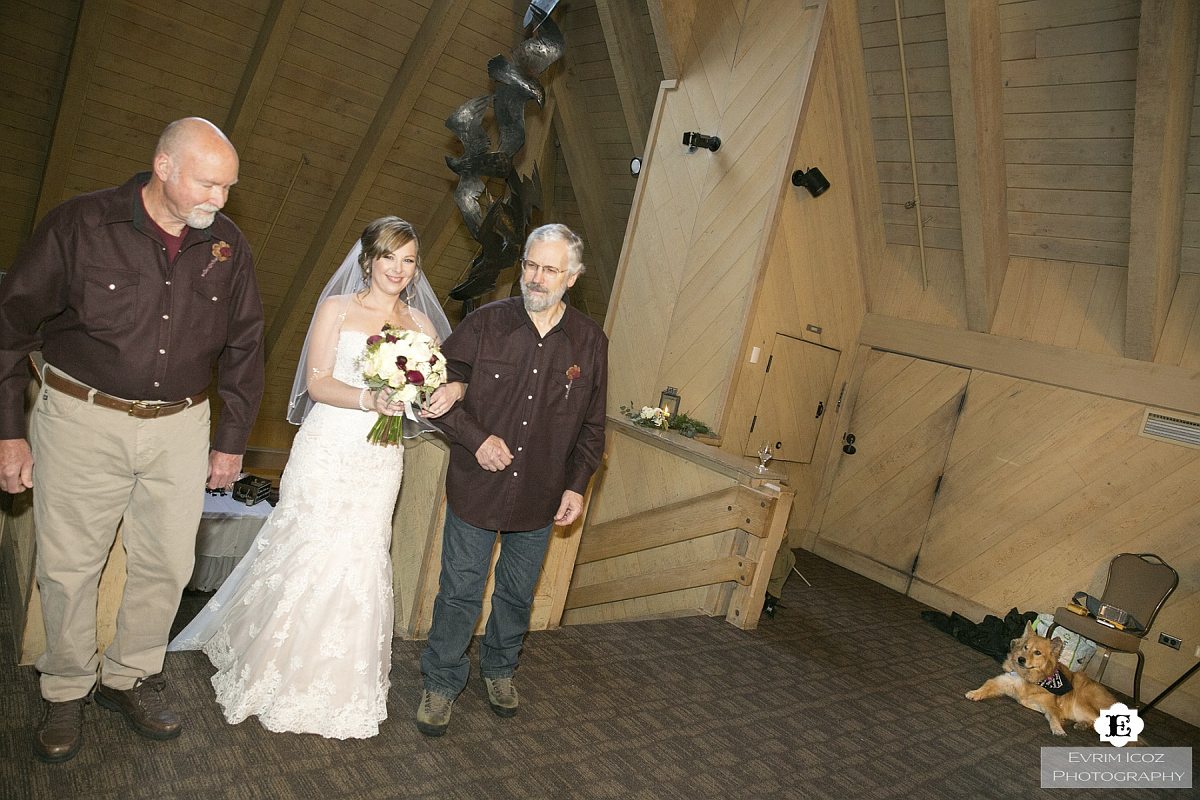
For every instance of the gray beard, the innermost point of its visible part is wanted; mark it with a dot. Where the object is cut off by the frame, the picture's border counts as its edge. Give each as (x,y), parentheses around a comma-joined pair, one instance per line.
(539,301)
(201,219)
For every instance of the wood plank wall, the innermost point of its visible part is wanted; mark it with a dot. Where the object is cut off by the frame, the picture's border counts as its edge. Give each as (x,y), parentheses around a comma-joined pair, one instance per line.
(1052,483)
(1190,250)
(1069,73)
(1180,343)
(35,39)
(637,477)
(1076,305)
(697,245)
(927,58)
(1041,487)
(812,285)
(895,287)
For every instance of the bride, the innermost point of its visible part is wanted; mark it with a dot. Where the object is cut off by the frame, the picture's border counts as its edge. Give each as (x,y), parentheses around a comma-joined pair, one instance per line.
(300,632)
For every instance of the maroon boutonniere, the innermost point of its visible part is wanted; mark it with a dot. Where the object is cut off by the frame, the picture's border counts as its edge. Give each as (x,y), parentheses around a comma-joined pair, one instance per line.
(221,251)
(573,372)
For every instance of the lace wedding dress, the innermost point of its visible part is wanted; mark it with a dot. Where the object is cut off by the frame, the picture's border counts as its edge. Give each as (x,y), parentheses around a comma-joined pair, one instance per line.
(301,631)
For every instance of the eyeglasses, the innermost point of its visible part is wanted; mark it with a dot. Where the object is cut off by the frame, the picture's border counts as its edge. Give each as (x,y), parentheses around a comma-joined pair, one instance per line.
(533,267)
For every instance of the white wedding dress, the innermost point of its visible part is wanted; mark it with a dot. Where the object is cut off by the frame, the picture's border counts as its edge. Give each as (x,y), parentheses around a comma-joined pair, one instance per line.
(301,630)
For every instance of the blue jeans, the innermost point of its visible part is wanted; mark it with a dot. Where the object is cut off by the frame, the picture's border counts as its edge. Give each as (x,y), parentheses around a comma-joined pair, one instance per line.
(466,555)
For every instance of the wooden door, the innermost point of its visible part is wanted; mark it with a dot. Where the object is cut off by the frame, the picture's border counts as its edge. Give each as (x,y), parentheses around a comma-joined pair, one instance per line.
(795,392)
(903,420)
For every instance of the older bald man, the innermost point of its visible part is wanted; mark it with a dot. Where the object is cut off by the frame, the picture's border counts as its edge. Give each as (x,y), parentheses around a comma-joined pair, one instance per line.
(132,294)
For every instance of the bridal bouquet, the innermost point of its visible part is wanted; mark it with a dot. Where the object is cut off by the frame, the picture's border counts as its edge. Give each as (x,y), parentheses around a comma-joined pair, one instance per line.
(408,366)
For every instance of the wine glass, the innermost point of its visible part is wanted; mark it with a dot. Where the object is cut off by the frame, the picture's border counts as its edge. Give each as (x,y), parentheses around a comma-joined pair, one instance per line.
(764,455)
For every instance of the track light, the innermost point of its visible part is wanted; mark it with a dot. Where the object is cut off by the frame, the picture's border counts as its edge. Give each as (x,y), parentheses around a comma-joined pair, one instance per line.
(693,140)
(813,180)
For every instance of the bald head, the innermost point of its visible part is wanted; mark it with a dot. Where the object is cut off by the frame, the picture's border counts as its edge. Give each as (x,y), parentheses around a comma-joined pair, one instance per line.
(195,165)
(192,134)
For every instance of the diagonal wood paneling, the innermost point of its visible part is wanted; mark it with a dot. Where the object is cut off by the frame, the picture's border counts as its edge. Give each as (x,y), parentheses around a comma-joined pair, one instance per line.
(1043,486)
(902,420)
(703,217)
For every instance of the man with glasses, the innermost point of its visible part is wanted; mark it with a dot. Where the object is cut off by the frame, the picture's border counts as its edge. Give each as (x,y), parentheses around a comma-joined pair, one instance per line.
(525,441)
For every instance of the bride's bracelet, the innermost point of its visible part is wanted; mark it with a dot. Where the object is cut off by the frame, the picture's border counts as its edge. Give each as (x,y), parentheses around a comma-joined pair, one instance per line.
(362,396)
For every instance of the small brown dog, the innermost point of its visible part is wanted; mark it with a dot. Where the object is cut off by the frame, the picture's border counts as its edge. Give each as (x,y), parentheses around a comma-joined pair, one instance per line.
(1034,678)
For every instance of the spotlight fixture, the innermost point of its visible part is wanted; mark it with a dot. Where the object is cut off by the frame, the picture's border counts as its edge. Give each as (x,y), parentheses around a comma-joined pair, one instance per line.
(635,166)
(693,140)
(813,180)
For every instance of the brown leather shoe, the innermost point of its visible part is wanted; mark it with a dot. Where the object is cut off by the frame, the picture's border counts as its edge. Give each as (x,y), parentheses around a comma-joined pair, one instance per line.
(60,733)
(143,707)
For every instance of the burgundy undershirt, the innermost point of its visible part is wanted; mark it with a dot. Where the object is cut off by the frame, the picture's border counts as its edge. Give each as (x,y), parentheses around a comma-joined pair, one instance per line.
(172,243)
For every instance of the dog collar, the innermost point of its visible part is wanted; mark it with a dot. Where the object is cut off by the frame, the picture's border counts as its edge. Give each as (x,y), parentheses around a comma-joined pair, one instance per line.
(1056,684)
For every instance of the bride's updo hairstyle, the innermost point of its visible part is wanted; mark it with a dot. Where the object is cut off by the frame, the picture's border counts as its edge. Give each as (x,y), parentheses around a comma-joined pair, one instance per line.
(385,235)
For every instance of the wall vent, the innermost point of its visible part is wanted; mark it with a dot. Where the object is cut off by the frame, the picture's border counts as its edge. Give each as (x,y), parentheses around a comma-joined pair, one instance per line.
(1173,428)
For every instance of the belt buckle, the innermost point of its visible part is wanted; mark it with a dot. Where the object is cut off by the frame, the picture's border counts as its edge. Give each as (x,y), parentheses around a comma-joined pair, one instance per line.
(146,410)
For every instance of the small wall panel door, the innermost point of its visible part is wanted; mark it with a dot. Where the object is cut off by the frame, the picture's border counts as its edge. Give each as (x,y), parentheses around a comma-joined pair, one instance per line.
(794,395)
(903,421)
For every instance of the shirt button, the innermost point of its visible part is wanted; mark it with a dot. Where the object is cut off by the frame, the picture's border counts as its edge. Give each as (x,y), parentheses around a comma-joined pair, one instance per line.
(524,423)
(214,299)
(539,344)
(530,397)
(166,316)
(497,374)
(519,449)
(514,474)
(535,372)
(162,352)
(168,283)
(112,286)
(156,384)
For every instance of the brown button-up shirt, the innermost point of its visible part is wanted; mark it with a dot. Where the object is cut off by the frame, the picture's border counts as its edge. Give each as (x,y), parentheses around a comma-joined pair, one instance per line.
(94,291)
(519,389)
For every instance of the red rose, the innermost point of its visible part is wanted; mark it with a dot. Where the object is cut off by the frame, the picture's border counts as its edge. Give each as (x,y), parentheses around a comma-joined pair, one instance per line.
(414,376)
(573,372)
(374,339)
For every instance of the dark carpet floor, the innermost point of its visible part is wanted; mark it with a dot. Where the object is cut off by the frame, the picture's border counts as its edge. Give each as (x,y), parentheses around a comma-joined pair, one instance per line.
(847,693)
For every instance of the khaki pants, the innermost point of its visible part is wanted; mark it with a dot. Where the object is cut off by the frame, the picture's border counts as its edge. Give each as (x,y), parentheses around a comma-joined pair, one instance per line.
(94,469)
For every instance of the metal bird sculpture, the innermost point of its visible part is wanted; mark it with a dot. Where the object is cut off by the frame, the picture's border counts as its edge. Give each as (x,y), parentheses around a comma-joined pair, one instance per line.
(500,229)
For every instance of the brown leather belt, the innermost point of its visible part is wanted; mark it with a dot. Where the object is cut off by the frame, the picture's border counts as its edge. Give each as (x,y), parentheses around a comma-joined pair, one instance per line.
(134,408)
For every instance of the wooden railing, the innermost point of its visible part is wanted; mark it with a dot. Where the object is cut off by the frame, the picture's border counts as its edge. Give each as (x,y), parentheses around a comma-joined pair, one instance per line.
(725,539)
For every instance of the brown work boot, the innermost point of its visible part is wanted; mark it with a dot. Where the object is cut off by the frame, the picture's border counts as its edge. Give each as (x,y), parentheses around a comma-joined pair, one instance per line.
(143,707)
(60,733)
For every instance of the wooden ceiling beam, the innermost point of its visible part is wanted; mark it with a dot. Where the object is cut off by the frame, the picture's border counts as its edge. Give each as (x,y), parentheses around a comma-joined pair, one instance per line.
(1162,117)
(672,23)
(632,64)
(973,38)
(84,49)
(260,70)
(326,248)
(856,130)
(589,182)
